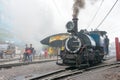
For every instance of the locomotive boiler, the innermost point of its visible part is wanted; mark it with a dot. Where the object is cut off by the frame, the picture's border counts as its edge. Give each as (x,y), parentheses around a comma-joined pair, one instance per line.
(84,48)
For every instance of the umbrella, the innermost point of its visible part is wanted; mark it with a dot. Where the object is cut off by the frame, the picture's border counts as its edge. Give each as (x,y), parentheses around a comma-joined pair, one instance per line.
(57,40)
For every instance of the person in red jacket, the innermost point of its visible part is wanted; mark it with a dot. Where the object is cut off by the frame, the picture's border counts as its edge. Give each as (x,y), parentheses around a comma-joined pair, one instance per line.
(25,55)
(46,53)
(30,53)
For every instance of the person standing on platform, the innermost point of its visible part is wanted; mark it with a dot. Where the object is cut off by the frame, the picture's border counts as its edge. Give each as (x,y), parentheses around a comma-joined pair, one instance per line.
(107,44)
(31,53)
(34,52)
(46,53)
(1,54)
(25,55)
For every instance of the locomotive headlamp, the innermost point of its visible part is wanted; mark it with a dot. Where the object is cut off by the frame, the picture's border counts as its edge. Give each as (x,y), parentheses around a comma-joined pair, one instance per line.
(70,26)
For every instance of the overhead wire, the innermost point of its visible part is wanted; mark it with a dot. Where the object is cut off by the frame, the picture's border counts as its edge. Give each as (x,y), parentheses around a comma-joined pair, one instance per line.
(95,14)
(57,8)
(107,15)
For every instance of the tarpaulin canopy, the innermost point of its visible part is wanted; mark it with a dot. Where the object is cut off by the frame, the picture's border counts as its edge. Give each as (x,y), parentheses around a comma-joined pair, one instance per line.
(57,40)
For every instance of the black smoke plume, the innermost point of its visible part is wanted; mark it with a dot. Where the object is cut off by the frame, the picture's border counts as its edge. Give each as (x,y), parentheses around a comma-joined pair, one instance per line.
(78,4)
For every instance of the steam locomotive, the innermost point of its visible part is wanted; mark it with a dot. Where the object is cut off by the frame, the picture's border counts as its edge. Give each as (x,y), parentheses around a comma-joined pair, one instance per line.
(84,48)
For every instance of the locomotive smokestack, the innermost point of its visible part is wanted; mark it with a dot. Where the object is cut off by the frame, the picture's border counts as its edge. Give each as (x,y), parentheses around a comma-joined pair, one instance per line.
(75,21)
(78,4)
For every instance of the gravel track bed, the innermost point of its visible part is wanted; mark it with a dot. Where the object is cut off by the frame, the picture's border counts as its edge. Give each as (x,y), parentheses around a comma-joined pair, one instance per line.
(21,72)
(27,71)
(99,74)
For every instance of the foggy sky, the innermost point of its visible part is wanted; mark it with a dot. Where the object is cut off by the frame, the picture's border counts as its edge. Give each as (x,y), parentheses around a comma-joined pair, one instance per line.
(32,20)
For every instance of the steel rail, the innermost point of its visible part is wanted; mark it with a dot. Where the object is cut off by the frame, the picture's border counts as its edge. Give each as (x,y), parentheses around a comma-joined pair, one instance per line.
(60,74)
(83,70)
(44,76)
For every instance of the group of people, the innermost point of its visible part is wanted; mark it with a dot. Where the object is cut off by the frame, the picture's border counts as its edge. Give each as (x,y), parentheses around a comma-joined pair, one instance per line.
(29,53)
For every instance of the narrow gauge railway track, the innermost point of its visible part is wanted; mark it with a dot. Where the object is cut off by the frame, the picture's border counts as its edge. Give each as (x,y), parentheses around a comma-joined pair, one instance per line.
(10,65)
(47,76)
(64,73)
